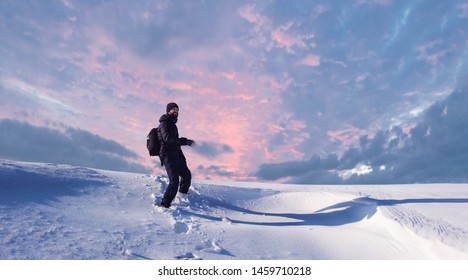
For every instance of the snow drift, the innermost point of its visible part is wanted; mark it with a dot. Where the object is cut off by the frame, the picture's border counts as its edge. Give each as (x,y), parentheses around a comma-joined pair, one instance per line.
(51,211)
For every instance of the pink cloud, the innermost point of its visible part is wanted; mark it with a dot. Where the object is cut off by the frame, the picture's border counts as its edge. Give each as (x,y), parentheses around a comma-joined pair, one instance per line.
(261,97)
(228,117)
(275,84)
(266,35)
(285,38)
(261,25)
(178,85)
(431,54)
(214,115)
(347,136)
(248,13)
(229,75)
(280,36)
(226,107)
(311,60)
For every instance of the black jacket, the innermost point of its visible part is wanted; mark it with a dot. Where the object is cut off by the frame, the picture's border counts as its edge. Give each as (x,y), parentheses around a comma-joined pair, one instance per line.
(169,136)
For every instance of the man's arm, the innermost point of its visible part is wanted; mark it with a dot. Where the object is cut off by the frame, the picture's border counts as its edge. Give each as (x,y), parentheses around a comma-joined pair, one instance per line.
(172,139)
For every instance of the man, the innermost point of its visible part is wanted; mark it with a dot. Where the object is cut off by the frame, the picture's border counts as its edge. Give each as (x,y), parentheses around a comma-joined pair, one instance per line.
(171,154)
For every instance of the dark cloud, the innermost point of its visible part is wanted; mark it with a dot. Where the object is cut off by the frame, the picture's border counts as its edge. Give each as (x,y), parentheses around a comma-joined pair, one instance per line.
(212,150)
(437,150)
(367,70)
(94,142)
(296,168)
(214,170)
(434,151)
(22,141)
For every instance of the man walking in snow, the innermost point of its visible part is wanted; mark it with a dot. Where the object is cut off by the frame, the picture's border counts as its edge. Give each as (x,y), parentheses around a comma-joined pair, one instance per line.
(171,154)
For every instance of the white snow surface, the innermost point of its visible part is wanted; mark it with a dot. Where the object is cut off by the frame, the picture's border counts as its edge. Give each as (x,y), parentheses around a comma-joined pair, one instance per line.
(53,212)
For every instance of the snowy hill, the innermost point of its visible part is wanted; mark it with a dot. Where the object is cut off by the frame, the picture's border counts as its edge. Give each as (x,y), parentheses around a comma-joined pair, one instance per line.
(64,212)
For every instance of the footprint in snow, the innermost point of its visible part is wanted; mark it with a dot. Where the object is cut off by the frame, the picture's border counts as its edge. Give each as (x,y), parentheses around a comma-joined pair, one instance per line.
(188,256)
(212,247)
(180,227)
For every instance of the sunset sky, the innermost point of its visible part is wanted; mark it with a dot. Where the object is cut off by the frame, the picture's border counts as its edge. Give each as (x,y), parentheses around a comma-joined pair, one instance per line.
(287,91)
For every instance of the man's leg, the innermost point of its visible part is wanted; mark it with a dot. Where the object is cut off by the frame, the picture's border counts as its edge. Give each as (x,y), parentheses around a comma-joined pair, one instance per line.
(186,176)
(172,168)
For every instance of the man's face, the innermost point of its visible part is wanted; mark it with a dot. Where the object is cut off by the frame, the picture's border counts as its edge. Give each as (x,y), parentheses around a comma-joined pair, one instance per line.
(174,112)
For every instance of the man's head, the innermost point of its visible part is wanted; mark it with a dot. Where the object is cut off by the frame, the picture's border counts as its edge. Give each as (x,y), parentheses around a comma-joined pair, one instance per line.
(172,109)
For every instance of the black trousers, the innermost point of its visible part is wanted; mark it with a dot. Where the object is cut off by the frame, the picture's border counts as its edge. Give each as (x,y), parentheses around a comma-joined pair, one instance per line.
(176,166)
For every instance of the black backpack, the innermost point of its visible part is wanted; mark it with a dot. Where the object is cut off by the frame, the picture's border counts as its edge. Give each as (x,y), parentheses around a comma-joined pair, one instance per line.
(152,142)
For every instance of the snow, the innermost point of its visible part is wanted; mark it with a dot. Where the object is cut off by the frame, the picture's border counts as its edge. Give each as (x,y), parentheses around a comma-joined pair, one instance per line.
(55,212)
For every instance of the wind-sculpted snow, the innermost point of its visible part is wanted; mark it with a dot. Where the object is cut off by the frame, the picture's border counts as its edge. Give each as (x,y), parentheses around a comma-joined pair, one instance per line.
(64,212)
(40,183)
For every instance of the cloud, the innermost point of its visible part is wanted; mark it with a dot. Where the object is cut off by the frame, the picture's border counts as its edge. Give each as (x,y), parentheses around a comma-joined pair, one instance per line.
(248,13)
(311,60)
(214,172)
(432,53)
(282,37)
(151,31)
(22,141)
(377,2)
(346,136)
(434,151)
(212,150)
(296,168)
(39,96)
(267,34)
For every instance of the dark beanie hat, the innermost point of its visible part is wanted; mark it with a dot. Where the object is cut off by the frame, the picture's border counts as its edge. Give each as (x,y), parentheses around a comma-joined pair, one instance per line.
(171,106)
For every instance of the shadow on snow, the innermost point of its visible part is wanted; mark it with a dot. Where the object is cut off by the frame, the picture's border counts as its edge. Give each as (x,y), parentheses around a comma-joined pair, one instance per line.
(19,185)
(336,215)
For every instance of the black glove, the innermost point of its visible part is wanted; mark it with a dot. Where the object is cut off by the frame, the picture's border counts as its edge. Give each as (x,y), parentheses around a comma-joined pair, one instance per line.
(190,142)
(184,141)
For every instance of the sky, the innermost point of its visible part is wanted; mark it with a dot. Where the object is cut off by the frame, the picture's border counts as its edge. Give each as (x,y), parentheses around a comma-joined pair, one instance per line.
(356,91)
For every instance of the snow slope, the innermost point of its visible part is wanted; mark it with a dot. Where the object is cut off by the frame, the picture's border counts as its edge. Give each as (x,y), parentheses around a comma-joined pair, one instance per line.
(50,211)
